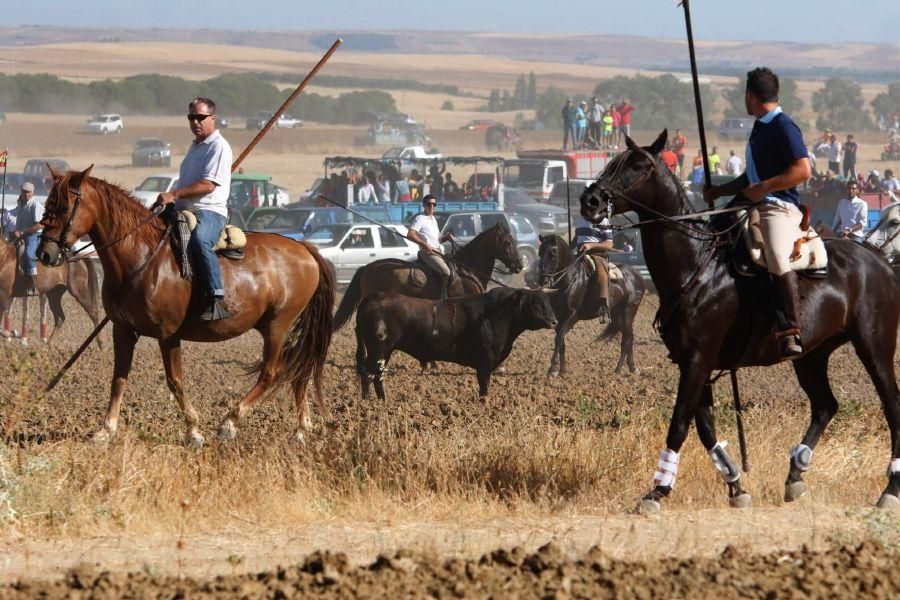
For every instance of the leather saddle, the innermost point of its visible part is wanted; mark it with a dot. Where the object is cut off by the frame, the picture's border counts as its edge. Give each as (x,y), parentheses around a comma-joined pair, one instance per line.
(808,254)
(420,274)
(615,273)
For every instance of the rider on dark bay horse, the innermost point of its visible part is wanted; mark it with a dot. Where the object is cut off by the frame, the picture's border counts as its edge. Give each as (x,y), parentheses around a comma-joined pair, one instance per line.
(595,240)
(205,180)
(777,161)
(425,232)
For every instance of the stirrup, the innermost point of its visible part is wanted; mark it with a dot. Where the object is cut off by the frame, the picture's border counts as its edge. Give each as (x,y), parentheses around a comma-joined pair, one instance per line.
(215,311)
(743,269)
(791,347)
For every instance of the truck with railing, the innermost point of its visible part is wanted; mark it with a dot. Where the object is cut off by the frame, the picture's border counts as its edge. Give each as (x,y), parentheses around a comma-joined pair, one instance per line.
(536,171)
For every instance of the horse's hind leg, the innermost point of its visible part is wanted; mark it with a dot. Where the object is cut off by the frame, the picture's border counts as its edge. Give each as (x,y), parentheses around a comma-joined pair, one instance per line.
(269,369)
(54,298)
(124,340)
(364,382)
(722,461)
(171,354)
(879,362)
(812,373)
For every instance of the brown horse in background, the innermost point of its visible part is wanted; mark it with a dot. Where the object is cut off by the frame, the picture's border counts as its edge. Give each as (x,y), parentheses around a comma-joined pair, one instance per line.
(79,279)
(281,288)
(475,261)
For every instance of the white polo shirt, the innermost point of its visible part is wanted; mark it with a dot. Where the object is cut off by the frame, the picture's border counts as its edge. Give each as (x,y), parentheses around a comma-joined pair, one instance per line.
(209,159)
(427,227)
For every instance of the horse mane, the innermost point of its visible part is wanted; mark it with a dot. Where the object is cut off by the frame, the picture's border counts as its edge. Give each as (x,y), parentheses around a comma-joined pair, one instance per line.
(124,210)
(475,246)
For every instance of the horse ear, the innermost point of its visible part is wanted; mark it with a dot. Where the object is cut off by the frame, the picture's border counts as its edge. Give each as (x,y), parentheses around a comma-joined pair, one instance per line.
(660,142)
(79,177)
(53,172)
(630,143)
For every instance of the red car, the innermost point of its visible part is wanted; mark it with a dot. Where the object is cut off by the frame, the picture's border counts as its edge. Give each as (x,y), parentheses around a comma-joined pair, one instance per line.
(479,124)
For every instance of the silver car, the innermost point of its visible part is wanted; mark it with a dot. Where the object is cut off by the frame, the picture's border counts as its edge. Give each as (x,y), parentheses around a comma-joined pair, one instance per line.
(347,247)
(150,152)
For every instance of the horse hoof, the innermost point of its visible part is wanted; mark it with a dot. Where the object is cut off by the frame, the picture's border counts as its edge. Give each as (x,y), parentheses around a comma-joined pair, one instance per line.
(793,491)
(743,500)
(194,440)
(101,438)
(888,502)
(649,506)
(227,431)
(298,439)
(24,342)
(43,340)
(501,370)
(553,373)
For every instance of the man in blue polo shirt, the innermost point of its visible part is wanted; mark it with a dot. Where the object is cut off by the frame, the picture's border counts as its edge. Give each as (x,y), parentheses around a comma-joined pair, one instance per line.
(777,162)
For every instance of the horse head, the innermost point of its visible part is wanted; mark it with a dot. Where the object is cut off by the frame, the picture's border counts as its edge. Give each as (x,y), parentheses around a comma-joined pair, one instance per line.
(66,216)
(506,247)
(886,234)
(553,255)
(629,182)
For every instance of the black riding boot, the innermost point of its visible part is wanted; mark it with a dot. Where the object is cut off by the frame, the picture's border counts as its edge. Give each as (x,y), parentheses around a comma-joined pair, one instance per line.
(444,284)
(31,285)
(788,315)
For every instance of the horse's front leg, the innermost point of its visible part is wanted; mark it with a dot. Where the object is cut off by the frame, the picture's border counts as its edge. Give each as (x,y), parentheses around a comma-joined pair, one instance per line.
(24,335)
(171,356)
(43,304)
(124,340)
(722,461)
(690,386)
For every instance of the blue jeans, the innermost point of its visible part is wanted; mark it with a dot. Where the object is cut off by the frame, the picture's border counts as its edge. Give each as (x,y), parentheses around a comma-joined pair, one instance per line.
(568,132)
(29,264)
(204,237)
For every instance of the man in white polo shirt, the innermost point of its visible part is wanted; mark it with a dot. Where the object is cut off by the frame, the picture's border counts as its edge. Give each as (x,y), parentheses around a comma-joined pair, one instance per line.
(205,180)
(424,231)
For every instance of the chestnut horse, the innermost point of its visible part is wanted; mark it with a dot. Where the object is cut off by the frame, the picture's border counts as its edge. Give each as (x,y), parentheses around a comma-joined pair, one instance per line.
(710,318)
(281,288)
(575,299)
(79,278)
(475,261)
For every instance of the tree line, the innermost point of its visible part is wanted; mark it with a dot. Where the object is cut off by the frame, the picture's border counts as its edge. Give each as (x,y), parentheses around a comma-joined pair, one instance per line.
(234,94)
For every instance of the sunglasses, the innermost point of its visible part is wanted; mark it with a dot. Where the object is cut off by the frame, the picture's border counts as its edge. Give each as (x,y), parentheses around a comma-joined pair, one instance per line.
(431,204)
(197,117)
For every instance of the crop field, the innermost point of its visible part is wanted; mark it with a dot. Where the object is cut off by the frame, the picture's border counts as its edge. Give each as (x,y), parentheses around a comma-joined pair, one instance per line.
(434,492)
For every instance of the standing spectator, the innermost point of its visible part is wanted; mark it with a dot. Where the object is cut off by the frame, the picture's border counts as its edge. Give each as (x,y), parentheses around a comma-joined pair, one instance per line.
(850,148)
(851,216)
(383,189)
(580,125)
(715,161)
(624,121)
(569,113)
(607,128)
(873,184)
(697,167)
(451,190)
(679,145)
(366,192)
(596,120)
(734,166)
(436,181)
(617,121)
(670,158)
(834,155)
(890,183)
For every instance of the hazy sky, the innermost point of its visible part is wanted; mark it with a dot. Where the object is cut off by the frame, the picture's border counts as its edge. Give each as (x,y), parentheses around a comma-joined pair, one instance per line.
(782,20)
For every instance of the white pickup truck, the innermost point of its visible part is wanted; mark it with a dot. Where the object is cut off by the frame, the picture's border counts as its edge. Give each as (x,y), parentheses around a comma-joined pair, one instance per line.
(407,155)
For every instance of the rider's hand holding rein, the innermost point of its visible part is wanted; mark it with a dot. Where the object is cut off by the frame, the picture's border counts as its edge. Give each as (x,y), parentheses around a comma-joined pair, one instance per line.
(195,190)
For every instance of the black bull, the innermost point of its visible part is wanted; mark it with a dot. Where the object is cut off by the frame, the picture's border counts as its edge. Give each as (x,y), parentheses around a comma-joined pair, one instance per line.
(476,331)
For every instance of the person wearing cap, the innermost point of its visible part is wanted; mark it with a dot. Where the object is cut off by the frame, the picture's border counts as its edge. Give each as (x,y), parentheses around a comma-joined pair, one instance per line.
(595,241)
(28,230)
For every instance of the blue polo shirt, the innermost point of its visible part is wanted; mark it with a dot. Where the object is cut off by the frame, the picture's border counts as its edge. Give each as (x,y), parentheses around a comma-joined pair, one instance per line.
(775,143)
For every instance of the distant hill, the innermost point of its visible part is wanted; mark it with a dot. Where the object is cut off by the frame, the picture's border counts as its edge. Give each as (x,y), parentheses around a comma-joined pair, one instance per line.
(867,62)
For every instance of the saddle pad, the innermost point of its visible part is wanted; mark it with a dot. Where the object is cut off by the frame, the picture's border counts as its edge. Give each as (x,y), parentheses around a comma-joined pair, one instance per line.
(615,273)
(232,237)
(808,251)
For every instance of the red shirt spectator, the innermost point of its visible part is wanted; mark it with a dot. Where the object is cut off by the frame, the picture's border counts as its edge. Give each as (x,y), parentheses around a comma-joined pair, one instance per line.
(617,117)
(679,143)
(670,158)
(625,110)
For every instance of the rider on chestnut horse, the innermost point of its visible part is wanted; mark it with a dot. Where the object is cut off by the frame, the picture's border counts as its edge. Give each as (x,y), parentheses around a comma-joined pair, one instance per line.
(28,231)
(777,161)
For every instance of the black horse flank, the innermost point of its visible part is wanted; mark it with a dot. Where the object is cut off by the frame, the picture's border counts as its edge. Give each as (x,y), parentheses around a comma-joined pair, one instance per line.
(710,319)
(576,297)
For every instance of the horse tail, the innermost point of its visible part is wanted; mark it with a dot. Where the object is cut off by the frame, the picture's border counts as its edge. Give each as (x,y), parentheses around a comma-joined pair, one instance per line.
(93,288)
(349,302)
(622,314)
(306,343)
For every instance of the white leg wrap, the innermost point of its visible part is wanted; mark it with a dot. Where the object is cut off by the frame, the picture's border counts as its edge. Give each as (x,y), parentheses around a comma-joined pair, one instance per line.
(723,463)
(801,456)
(895,467)
(667,469)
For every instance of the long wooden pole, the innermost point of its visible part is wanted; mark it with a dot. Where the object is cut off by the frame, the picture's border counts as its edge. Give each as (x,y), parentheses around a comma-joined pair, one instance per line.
(696,80)
(234,166)
(285,104)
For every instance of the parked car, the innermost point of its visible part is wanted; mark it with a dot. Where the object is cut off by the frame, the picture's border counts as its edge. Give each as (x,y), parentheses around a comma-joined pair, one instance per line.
(296,221)
(105,124)
(151,151)
(222,122)
(479,124)
(153,186)
(36,172)
(466,225)
(288,122)
(250,190)
(549,219)
(283,122)
(347,247)
(735,128)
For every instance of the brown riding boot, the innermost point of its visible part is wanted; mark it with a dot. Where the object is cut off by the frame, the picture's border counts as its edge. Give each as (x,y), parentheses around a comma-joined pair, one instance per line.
(444,286)
(788,315)
(31,285)
(601,276)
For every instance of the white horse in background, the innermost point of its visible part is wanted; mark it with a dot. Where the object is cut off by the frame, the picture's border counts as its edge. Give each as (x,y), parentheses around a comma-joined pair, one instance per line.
(886,234)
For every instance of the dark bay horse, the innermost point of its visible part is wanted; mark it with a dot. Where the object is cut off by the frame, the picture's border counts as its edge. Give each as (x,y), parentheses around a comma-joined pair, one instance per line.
(575,299)
(78,278)
(711,319)
(475,261)
(281,288)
